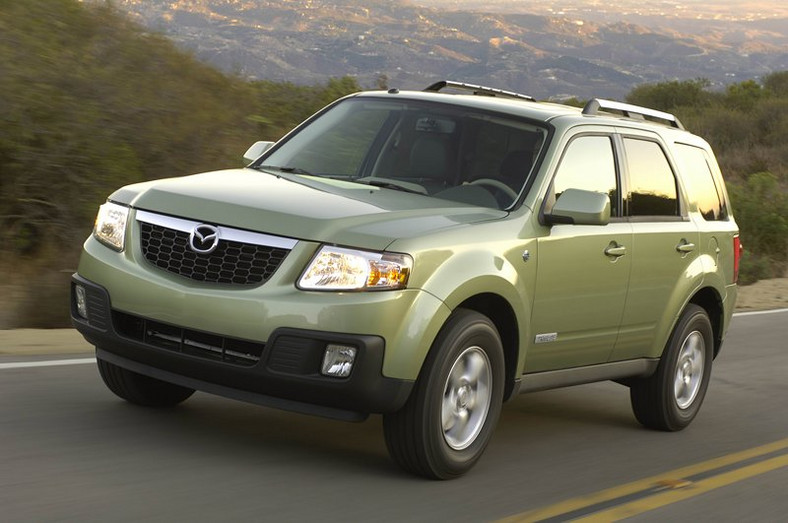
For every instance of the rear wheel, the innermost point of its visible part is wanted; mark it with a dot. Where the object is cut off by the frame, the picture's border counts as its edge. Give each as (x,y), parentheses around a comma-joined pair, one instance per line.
(670,399)
(449,418)
(140,389)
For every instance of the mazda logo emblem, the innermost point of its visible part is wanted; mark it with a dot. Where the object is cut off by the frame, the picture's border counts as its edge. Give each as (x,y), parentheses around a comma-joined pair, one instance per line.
(204,238)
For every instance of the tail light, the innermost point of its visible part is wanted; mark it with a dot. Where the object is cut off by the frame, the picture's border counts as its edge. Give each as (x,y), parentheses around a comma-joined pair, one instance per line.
(737,250)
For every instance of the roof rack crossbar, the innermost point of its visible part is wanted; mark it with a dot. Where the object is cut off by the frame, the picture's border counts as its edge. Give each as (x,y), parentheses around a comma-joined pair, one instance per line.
(631,111)
(478,89)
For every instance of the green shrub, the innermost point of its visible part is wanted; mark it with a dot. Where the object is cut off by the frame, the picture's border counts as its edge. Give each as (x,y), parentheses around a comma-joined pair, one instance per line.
(761,209)
(753,267)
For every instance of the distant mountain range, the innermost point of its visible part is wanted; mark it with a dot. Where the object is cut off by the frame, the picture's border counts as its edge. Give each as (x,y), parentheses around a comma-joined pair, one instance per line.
(404,45)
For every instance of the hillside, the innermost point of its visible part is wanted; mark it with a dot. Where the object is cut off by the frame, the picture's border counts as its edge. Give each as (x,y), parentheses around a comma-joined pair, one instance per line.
(90,102)
(575,54)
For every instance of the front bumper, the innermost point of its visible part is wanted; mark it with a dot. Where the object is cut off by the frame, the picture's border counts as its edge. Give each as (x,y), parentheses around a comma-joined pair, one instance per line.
(283,372)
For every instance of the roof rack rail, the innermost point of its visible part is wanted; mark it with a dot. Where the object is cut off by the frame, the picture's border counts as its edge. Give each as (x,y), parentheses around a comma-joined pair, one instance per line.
(630,111)
(477,89)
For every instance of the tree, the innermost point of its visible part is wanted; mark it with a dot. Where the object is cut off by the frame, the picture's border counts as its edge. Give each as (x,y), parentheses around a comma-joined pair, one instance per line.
(744,95)
(777,83)
(667,96)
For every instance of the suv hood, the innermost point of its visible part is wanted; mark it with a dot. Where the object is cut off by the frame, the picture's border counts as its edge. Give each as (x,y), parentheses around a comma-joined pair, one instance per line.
(304,208)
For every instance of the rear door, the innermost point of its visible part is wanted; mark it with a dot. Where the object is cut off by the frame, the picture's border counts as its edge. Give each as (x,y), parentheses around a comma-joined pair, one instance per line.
(665,246)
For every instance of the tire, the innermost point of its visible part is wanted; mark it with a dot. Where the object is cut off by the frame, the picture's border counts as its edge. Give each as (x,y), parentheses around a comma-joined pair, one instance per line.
(141,390)
(447,422)
(670,399)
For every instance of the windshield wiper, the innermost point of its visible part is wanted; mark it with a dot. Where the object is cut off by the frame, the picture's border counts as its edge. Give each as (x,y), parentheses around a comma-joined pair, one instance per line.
(291,170)
(387,183)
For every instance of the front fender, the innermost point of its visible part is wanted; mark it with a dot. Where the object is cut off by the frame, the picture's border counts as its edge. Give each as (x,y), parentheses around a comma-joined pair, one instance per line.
(464,275)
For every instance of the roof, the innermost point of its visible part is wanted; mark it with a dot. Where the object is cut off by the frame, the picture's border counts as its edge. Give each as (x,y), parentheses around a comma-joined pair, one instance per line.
(497,100)
(542,111)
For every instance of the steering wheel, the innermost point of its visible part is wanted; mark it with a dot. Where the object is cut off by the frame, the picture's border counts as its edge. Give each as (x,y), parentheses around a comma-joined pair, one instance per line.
(496,184)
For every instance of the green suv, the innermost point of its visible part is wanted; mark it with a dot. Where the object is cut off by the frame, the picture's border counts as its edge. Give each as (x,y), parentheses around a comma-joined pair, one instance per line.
(424,255)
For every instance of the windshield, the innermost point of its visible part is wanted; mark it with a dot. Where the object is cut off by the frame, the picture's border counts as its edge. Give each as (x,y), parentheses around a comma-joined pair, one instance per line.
(439,150)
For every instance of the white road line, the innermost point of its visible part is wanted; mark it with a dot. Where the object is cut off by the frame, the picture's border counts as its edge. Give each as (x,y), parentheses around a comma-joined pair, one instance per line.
(49,363)
(753,313)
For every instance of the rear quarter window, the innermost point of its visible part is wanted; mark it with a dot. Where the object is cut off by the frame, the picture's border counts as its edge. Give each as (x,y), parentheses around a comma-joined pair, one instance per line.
(700,182)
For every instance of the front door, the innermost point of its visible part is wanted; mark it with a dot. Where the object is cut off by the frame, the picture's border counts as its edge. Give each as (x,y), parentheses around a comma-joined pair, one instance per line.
(582,270)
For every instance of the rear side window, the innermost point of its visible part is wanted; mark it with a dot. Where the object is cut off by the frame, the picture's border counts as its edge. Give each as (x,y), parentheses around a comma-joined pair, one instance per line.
(700,182)
(652,185)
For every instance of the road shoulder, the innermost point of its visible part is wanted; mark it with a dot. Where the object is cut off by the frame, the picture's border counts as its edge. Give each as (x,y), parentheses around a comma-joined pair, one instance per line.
(763,294)
(43,341)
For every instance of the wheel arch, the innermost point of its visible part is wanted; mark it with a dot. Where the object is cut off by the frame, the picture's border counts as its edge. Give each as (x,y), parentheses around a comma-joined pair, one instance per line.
(710,300)
(501,313)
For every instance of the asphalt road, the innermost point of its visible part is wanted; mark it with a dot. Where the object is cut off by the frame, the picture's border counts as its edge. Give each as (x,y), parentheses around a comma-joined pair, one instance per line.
(69,450)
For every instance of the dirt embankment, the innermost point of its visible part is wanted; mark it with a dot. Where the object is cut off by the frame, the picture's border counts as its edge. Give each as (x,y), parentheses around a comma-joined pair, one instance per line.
(765,294)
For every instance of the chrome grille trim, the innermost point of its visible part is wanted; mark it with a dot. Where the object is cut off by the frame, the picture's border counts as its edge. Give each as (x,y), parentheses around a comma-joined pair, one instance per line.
(225,233)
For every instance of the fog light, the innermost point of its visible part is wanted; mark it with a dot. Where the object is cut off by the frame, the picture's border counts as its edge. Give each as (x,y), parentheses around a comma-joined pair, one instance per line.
(338,361)
(82,306)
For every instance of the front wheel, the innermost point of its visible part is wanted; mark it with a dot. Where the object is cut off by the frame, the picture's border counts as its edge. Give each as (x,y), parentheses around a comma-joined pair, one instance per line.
(449,418)
(670,399)
(139,389)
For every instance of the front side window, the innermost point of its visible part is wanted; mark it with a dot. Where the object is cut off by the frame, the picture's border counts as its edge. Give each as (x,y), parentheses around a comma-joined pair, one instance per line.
(444,151)
(652,184)
(588,163)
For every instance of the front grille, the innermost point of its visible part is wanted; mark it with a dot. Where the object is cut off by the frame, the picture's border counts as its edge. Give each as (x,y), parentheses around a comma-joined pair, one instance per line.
(232,262)
(195,343)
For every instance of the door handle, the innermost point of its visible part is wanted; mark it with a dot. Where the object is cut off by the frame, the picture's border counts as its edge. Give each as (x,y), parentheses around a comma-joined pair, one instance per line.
(615,250)
(685,246)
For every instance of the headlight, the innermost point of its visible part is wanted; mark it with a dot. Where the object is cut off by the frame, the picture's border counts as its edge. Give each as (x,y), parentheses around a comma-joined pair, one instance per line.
(111,225)
(338,269)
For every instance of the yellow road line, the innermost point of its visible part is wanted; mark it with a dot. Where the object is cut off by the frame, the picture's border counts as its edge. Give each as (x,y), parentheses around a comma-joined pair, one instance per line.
(655,501)
(619,491)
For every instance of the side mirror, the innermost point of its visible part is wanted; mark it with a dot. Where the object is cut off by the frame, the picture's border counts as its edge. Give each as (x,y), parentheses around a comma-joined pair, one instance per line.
(256,150)
(581,208)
